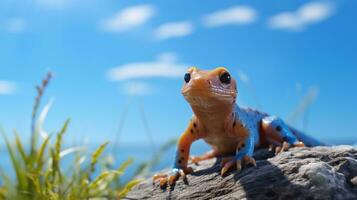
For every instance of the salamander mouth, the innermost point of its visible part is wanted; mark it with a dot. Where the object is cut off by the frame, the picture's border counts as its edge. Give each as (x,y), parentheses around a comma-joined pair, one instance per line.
(208,96)
(222,92)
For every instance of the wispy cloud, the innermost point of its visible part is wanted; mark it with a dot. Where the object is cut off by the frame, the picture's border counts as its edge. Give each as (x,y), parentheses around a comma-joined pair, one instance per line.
(7,87)
(137,88)
(16,25)
(165,66)
(128,18)
(306,15)
(174,29)
(238,15)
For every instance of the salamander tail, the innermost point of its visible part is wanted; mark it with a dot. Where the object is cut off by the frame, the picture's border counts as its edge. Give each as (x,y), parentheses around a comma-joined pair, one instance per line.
(306,139)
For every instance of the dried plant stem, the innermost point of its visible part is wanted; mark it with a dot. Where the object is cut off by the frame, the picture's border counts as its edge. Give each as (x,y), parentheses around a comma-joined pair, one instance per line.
(40,91)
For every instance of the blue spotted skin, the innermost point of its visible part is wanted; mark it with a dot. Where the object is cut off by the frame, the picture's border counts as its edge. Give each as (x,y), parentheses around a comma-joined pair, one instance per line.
(176,160)
(247,150)
(251,120)
(284,130)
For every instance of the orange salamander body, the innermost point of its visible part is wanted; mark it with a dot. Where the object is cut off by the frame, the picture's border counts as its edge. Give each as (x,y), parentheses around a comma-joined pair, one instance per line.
(226,127)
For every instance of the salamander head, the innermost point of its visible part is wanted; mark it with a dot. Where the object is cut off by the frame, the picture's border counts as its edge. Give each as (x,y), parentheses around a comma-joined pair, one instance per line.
(207,89)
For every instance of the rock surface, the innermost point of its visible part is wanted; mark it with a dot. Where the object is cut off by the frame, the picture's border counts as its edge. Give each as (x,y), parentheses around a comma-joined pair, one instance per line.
(300,173)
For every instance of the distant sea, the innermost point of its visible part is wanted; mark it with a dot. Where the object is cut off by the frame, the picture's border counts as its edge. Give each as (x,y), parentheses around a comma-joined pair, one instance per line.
(139,153)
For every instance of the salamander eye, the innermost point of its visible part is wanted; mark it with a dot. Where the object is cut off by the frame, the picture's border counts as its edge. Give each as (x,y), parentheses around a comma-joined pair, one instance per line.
(278,128)
(225,78)
(187,77)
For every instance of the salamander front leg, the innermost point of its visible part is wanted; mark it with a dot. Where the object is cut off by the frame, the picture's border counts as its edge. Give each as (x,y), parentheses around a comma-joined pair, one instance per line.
(244,153)
(279,134)
(180,168)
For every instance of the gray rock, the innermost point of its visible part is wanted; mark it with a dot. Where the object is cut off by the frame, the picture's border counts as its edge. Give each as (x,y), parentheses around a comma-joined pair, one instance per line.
(300,173)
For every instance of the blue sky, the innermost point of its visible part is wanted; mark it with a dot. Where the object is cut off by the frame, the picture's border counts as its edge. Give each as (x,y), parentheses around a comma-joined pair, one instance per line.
(107,55)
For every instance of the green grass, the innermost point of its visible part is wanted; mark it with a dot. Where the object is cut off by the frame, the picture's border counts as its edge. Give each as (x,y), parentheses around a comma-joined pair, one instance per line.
(39,172)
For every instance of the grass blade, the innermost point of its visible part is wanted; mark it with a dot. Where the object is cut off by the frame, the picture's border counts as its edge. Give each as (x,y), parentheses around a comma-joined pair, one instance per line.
(97,153)
(16,165)
(41,153)
(104,175)
(128,187)
(20,147)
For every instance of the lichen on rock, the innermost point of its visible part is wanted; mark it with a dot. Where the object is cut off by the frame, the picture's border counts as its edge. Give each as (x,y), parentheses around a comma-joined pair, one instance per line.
(300,173)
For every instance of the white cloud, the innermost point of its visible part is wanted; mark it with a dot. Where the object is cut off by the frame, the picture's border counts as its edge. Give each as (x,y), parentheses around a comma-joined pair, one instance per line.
(298,20)
(174,29)
(128,18)
(7,87)
(164,66)
(16,25)
(238,15)
(137,88)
